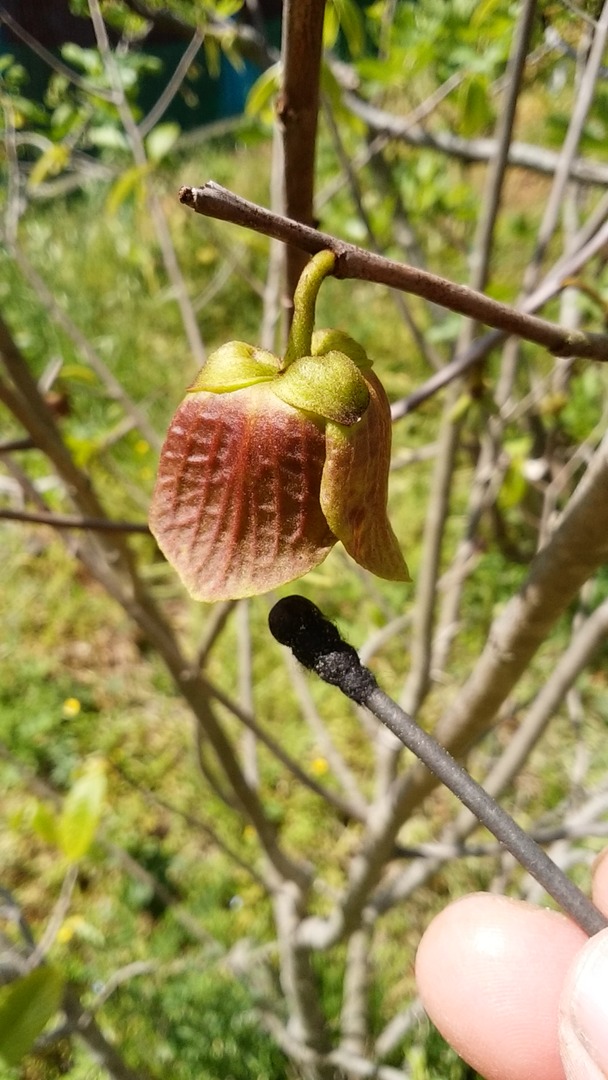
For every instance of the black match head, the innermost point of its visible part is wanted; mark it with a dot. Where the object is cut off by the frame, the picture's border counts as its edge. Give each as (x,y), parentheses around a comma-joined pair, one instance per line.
(315,641)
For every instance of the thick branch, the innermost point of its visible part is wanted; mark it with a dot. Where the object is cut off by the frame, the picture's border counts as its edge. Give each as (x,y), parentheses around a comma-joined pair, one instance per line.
(297,109)
(214,201)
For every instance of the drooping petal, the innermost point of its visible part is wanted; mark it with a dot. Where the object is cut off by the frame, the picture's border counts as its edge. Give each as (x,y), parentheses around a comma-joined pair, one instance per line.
(354,488)
(236,508)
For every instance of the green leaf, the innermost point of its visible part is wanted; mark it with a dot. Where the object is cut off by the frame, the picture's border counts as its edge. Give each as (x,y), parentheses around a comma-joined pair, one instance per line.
(131,182)
(331,26)
(108,137)
(351,23)
(160,141)
(50,163)
(262,92)
(44,823)
(26,1006)
(475,105)
(87,60)
(82,810)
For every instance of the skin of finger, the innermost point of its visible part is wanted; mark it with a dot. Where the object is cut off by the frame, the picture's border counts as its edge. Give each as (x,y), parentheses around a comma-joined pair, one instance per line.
(490,972)
(583,1030)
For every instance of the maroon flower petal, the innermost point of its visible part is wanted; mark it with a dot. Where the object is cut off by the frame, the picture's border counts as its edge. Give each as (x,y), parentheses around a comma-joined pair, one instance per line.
(236,507)
(354,488)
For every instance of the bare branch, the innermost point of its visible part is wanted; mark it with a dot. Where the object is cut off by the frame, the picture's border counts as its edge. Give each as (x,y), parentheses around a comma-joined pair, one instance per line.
(521,155)
(354,262)
(297,110)
(61,521)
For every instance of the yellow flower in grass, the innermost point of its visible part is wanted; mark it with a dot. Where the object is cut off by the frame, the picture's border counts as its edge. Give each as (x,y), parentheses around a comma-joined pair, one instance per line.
(319,766)
(71,708)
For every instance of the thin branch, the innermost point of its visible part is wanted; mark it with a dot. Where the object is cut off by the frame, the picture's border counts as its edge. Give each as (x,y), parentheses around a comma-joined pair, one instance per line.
(249,745)
(472,151)
(56,920)
(316,643)
(86,1028)
(328,748)
(351,808)
(582,103)
(354,262)
(62,521)
(426,350)
(163,102)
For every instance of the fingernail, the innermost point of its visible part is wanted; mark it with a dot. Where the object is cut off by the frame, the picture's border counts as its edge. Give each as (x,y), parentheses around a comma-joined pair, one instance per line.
(589,1001)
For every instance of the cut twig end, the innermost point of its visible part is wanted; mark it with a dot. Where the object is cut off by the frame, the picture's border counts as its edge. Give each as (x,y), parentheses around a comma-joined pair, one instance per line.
(186,196)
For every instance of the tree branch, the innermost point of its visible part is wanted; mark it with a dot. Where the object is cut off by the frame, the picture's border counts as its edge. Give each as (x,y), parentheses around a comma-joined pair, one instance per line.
(316,643)
(211,200)
(63,521)
(297,110)
(472,151)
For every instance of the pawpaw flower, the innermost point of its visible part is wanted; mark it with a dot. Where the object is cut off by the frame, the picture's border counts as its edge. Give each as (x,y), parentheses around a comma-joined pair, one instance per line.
(269,462)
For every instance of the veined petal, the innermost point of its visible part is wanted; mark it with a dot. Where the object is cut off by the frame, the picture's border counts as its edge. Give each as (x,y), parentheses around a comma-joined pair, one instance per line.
(354,487)
(236,508)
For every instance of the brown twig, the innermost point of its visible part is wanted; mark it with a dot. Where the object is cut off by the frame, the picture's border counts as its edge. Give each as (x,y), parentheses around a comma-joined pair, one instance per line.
(212,200)
(297,109)
(64,521)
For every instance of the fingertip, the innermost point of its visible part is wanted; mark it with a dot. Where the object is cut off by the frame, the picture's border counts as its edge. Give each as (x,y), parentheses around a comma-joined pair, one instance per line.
(584,1012)
(489,971)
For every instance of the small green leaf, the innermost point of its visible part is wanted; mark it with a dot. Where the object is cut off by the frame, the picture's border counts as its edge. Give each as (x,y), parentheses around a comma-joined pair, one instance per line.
(475,105)
(26,1006)
(44,823)
(262,92)
(160,141)
(108,137)
(131,182)
(331,26)
(351,23)
(50,163)
(82,810)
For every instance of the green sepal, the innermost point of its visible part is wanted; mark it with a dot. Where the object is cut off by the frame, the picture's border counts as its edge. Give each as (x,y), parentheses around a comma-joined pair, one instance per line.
(324,341)
(234,366)
(330,387)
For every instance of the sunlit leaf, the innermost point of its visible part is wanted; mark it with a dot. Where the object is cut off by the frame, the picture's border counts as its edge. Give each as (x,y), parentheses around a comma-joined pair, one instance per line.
(263,91)
(44,823)
(50,163)
(476,112)
(82,810)
(130,183)
(160,141)
(26,1006)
